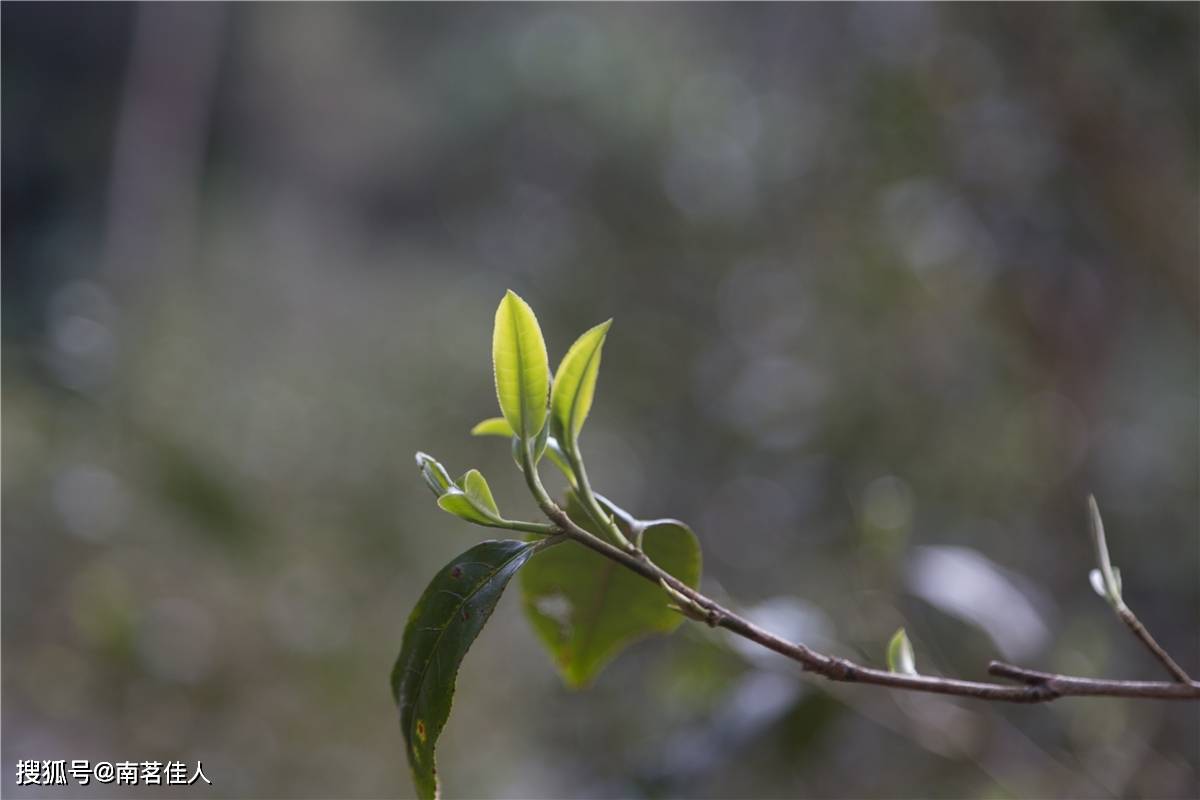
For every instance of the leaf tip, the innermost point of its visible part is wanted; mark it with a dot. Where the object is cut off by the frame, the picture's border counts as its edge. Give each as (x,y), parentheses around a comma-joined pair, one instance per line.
(511,297)
(1094,518)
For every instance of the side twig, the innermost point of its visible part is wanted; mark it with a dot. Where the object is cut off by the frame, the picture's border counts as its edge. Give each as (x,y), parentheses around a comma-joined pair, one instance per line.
(1164,658)
(1112,590)
(1038,687)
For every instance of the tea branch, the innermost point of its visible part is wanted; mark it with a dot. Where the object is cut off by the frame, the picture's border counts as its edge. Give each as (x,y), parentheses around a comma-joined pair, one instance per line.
(1037,687)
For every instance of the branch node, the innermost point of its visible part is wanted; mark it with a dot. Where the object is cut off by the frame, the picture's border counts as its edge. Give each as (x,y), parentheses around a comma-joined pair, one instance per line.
(840,669)
(1018,674)
(1044,691)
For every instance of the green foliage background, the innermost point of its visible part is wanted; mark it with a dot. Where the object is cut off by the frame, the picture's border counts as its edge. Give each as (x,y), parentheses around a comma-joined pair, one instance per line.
(894,288)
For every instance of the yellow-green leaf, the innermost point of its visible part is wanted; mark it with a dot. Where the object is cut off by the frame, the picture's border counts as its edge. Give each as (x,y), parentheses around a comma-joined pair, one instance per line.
(575,385)
(900,654)
(479,492)
(521,367)
(493,426)
(458,503)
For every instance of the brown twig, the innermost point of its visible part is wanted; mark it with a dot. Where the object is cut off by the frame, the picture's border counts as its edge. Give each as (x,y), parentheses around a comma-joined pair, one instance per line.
(1039,687)
(1139,630)
(1112,591)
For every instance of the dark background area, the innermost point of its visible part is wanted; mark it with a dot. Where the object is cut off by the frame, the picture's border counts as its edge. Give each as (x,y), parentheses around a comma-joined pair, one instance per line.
(895,287)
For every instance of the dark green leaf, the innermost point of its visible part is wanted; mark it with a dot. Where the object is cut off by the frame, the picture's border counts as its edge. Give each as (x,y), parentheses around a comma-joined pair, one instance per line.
(586,608)
(440,630)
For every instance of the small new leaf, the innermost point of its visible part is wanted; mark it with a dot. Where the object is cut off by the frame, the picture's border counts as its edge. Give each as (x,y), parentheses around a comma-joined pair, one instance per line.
(498,426)
(540,441)
(493,426)
(522,369)
(435,474)
(537,447)
(575,385)
(1109,578)
(460,504)
(900,654)
(1097,581)
(479,493)
(440,630)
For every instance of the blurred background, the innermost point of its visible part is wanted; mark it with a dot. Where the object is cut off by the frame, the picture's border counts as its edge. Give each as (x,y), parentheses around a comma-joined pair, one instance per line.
(895,287)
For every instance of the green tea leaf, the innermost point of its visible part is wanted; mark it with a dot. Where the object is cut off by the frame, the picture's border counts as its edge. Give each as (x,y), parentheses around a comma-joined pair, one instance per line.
(478,492)
(540,441)
(498,426)
(493,426)
(586,609)
(1108,575)
(575,385)
(521,367)
(537,447)
(460,504)
(435,474)
(900,654)
(440,630)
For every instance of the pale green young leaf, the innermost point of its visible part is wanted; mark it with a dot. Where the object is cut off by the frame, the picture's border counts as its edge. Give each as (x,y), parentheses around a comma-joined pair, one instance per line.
(1112,585)
(458,503)
(435,474)
(575,385)
(540,441)
(559,459)
(498,426)
(478,492)
(521,367)
(493,426)
(1097,581)
(900,654)
(537,447)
